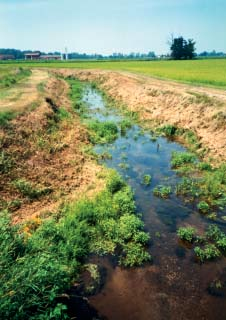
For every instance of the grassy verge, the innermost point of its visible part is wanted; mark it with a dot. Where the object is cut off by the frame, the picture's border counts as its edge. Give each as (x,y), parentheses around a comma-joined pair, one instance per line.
(11,78)
(40,261)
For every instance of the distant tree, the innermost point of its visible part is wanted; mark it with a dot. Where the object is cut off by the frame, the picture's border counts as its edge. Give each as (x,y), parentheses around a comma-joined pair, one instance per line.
(182,49)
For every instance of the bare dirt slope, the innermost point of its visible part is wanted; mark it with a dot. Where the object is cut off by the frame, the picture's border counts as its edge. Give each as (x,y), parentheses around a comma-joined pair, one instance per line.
(46,152)
(200,109)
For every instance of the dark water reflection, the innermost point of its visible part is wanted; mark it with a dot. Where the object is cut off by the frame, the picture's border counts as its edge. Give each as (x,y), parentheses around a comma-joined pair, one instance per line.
(174,286)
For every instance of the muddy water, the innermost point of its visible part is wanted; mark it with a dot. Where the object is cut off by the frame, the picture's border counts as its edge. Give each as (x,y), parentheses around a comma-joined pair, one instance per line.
(174,285)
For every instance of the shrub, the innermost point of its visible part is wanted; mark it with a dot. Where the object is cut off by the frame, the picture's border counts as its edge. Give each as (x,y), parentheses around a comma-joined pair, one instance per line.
(187,234)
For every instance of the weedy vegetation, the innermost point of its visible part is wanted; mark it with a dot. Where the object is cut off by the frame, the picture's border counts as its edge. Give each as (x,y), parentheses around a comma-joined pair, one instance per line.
(12,77)
(146,180)
(212,244)
(102,132)
(186,234)
(39,264)
(162,191)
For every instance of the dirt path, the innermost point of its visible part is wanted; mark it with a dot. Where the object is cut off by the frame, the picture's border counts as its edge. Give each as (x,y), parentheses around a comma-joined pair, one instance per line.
(200,109)
(25,93)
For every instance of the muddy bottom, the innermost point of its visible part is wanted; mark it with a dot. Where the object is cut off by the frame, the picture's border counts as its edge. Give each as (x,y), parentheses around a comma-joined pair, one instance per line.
(174,285)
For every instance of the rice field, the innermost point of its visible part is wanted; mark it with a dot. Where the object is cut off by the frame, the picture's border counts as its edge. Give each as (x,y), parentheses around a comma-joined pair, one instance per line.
(210,72)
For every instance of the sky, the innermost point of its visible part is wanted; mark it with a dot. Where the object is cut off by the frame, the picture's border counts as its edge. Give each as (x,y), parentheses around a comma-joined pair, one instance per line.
(102,26)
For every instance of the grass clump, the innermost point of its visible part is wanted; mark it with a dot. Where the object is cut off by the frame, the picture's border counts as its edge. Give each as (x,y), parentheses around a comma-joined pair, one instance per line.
(13,78)
(125,125)
(76,95)
(27,190)
(168,130)
(162,191)
(6,162)
(5,117)
(103,132)
(186,234)
(181,158)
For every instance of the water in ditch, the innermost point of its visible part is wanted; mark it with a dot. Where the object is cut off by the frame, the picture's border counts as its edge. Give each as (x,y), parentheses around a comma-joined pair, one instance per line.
(174,285)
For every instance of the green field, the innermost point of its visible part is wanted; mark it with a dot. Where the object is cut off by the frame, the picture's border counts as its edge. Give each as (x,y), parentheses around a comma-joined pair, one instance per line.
(210,72)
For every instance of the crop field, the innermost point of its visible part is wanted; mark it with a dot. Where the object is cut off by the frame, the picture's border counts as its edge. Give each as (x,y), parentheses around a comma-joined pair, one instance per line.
(210,72)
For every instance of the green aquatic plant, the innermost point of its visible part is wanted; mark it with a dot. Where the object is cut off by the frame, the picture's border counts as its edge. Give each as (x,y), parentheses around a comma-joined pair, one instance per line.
(146,179)
(203,207)
(162,191)
(181,158)
(186,233)
(124,165)
(102,132)
(209,252)
(125,125)
(168,130)
(134,255)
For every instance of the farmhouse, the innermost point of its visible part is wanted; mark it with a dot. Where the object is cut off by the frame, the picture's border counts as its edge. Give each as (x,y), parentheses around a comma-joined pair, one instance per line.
(50,57)
(32,56)
(39,56)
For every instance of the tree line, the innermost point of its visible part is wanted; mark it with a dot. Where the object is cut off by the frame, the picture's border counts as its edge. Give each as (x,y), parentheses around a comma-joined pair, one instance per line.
(180,49)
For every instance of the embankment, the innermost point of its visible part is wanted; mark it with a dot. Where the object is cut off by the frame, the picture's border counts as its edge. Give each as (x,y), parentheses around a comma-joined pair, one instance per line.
(201,110)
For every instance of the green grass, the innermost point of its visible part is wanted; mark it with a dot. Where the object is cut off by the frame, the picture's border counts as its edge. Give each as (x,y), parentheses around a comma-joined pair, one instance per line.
(204,71)
(40,261)
(9,77)
(102,132)
(5,117)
